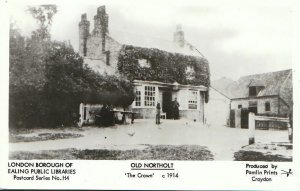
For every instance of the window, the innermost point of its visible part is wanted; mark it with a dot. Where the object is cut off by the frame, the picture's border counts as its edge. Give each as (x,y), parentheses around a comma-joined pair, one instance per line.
(252,91)
(144,63)
(149,96)
(193,99)
(190,72)
(240,106)
(267,106)
(138,98)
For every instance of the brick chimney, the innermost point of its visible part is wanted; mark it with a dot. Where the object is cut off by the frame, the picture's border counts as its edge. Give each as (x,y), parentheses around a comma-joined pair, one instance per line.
(84,32)
(101,24)
(179,36)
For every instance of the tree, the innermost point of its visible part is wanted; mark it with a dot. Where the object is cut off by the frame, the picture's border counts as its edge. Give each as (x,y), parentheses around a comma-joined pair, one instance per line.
(48,79)
(43,15)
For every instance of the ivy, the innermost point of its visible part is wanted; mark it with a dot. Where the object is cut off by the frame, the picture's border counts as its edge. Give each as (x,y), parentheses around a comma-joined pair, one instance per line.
(165,66)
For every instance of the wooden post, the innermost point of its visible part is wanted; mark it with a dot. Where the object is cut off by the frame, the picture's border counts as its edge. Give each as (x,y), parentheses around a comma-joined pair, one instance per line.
(290,132)
(251,124)
(80,114)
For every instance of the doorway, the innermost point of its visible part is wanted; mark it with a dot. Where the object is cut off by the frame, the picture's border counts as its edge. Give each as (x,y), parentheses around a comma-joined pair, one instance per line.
(245,116)
(167,104)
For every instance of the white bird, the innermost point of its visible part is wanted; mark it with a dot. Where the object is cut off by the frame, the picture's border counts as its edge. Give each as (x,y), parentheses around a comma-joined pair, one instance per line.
(131,134)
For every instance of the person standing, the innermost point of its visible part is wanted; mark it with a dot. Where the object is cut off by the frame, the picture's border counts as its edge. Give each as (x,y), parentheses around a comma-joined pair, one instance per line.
(176,109)
(157,121)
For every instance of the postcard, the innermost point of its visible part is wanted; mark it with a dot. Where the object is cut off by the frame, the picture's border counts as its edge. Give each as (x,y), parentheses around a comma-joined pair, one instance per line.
(175,95)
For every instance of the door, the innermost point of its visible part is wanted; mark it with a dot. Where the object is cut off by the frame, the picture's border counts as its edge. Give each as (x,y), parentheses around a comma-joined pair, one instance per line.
(167,104)
(244,118)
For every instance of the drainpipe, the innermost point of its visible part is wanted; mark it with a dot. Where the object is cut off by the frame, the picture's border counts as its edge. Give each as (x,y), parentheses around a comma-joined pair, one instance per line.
(203,108)
(229,121)
(278,112)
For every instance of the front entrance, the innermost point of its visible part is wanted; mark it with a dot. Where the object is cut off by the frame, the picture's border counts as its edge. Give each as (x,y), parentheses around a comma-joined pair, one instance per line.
(167,104)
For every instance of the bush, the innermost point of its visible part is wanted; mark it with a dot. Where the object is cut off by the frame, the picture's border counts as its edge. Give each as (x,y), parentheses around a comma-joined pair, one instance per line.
(52,96)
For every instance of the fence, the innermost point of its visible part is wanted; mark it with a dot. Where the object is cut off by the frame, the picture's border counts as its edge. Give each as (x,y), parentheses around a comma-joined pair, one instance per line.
(253,119)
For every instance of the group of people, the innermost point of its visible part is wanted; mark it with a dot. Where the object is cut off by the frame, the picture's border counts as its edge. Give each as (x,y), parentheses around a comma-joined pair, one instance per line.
(174,112)
(106,115)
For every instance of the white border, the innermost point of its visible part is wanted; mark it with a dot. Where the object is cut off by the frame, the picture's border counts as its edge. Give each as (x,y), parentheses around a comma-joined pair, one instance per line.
(193,175)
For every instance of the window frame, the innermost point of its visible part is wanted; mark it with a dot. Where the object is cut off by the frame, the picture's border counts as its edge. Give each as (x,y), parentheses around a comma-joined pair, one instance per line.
(267,106)
(193,99)
(144,63)
(149,96)
(190,72)
(138,94)
(252,91)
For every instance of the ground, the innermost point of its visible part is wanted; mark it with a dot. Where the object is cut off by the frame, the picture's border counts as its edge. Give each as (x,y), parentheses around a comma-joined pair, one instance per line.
(172,140)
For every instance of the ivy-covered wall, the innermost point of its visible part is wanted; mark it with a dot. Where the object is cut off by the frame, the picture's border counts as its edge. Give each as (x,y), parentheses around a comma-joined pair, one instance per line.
(165,66)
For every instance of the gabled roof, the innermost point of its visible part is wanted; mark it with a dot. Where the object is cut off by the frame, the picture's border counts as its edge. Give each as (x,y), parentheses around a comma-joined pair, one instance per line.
(140,40)
(272,83)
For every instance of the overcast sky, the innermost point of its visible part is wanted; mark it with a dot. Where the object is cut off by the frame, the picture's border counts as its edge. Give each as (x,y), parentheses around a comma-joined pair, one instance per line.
(237,37)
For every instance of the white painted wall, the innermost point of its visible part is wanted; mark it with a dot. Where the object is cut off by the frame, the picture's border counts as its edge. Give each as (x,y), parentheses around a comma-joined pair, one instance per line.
(217,110)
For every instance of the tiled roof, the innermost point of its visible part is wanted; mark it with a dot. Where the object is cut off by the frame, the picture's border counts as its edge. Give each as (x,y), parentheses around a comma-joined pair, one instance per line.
(272,83)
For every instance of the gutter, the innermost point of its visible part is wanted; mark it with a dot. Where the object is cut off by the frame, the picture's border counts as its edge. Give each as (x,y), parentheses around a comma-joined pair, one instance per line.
(255,97)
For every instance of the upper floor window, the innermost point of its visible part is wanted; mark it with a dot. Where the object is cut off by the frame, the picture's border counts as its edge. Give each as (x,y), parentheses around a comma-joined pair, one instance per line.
(252,91)
(267,106)
(144,63)
(190,72)
(240,106)
(149,96)
(193,95)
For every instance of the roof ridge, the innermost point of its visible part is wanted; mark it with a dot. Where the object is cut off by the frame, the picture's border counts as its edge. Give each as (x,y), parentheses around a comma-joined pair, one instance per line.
(265,73)
(284,82)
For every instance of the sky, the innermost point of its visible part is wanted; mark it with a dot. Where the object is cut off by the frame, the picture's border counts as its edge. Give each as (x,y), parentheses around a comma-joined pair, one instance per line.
(237,37)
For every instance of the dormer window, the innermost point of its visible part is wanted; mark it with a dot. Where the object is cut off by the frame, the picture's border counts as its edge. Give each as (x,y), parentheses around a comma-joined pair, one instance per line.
(252,91)
(190,72)
(255,87)
(144,63)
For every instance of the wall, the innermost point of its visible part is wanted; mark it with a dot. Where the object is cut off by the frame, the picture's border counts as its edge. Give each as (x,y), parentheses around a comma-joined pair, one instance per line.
(260,104)
(286,90)
(283,109)
(90,117)
(150,113)
(237,115)
(182,98)
(193,115)
(145,113)
(217,109)
(96,58)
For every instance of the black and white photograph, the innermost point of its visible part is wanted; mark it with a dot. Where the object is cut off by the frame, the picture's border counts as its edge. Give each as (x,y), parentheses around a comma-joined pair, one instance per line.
(167,94)
(122,82)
